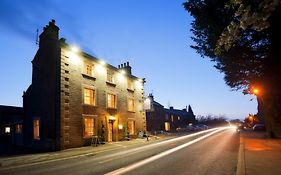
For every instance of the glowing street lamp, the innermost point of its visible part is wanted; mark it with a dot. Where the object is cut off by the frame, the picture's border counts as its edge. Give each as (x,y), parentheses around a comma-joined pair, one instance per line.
(256,91)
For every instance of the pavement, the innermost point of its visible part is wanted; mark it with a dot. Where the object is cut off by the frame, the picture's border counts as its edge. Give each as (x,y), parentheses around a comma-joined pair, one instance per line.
(23,159)
(258,155)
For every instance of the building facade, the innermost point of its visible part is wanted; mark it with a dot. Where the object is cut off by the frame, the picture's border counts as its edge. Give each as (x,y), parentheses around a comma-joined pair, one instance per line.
(11,125)
(159,118)
(75,96)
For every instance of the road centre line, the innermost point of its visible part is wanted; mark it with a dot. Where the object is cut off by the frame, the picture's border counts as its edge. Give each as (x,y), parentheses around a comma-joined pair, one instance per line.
(160,155)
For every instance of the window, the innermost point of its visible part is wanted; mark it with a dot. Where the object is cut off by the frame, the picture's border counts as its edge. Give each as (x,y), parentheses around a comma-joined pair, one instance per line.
(7,130)
(179,118)
(172,118)
(131,104)
(88,126)
(18,128)
(89,96)
(111,100)
(88,69)
(36,129)
(130,84)
(167,126)
(110,77)
(131,127)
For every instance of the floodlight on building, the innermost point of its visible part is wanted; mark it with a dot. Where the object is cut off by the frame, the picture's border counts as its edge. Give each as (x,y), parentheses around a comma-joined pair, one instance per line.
(123,72)
(121,77)
(74,49)
(102,62)
(101,69)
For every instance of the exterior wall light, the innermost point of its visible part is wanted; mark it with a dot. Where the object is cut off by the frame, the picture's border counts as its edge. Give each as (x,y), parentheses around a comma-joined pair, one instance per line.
(74,49)
(120,126)
(102,62)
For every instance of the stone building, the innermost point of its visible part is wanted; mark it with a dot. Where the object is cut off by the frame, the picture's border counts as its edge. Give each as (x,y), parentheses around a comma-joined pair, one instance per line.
(11,125)
(159,118)
(75,96)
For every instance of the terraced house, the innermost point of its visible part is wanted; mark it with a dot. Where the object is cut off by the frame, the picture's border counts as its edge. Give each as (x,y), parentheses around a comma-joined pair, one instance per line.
(74,96)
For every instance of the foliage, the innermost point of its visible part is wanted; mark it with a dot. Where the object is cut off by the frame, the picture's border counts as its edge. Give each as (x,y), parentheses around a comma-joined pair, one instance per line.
(242,38)
(211,120)
(238,36)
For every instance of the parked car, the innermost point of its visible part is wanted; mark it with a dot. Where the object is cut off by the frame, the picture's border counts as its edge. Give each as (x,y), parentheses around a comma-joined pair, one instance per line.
(259,127)
(187,128)
(201,127)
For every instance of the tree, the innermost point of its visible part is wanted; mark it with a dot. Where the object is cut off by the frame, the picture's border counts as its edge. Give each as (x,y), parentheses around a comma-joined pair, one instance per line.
(242,38)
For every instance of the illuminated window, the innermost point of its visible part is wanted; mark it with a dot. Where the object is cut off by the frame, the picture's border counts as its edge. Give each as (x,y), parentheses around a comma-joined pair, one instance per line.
(130,84)
(131,104)
(18,128)
(89,96)
(167,126)
(88,126)
(110,77)
(131,127)
(111,100)
(36,129)
(88,69)
(7,130)
(172,118)
(179,118)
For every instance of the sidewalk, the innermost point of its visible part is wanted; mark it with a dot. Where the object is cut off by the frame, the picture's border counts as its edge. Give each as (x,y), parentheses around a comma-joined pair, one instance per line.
(22,160)
(258,155)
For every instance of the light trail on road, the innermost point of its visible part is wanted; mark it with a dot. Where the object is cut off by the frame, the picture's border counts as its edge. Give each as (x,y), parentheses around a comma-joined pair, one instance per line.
(165,153)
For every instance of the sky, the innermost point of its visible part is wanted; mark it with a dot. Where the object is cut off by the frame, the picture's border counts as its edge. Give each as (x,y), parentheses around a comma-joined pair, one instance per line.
(153,35)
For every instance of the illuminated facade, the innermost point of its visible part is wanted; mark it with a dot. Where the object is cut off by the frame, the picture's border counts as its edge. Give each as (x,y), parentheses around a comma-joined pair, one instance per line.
(74,96)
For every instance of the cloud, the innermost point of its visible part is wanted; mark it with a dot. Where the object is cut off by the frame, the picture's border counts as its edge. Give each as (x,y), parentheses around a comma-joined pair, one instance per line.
(24,17)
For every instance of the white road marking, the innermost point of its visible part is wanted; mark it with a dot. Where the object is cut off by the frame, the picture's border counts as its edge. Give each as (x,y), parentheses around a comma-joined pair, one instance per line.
(109,157)
(158,156)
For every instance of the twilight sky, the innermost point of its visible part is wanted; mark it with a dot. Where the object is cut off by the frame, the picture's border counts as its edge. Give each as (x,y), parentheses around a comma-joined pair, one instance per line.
(153,35)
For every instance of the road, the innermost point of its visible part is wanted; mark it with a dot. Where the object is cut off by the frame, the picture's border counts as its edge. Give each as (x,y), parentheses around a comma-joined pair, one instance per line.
(211,152)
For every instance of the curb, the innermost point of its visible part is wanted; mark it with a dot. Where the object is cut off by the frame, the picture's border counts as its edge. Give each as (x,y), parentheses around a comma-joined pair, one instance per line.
(241,166)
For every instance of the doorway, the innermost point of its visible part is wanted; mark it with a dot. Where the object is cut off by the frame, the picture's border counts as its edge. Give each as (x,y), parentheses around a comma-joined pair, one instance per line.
(110,130)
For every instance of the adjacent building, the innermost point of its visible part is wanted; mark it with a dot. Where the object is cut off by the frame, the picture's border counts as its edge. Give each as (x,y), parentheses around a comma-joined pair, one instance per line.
(159,118)
(75,96)
(11,125)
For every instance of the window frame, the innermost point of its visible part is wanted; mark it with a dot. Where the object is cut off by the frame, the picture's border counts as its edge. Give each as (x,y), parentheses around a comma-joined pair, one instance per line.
(130,84)
(85,70)
(115,100)
(110,72)
(134,127)
(128,104)
(85,117)
(18,128)
(94,95)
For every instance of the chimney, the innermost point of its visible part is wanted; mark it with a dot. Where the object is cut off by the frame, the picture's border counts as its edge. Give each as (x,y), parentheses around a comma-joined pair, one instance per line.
(50,34)
(151,96)
(171,108)
(126,67)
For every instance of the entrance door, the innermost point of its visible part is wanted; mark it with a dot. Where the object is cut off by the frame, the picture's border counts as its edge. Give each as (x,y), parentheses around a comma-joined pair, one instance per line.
(110,130)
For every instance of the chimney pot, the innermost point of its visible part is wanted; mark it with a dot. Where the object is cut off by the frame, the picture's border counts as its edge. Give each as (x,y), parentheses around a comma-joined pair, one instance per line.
(127,63)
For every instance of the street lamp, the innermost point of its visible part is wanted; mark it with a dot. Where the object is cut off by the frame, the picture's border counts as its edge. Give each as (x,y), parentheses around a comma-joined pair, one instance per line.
(256,91)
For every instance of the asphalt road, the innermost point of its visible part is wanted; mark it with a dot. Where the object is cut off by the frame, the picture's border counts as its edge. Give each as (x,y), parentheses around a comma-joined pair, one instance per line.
(213,152)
